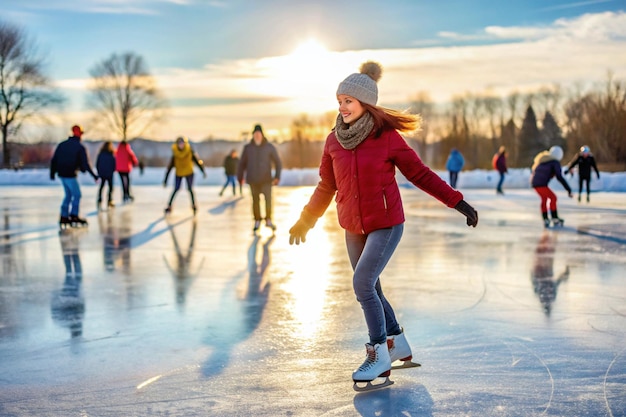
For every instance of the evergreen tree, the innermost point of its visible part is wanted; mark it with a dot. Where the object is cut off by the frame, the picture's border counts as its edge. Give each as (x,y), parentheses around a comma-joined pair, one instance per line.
(551,132)
(507,138)
(529,141)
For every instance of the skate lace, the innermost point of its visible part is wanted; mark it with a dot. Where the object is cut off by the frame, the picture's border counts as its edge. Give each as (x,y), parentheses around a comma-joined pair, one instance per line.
(370,359)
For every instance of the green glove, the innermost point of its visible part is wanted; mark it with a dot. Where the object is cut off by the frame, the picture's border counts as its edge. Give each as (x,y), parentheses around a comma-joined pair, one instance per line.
(298,231)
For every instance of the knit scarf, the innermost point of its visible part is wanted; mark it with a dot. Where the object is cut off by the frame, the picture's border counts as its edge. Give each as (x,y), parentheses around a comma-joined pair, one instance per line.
(348,136)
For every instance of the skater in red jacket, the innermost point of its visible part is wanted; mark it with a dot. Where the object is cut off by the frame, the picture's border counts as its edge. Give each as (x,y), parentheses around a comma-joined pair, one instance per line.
(125,160)
(358,168)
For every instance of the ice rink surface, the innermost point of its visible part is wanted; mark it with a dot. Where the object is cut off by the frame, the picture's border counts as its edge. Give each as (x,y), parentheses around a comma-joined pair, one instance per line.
(142,315)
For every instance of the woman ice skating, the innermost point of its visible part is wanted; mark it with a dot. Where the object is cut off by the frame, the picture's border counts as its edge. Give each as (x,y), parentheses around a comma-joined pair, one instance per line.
(499,164)
(105,165)
(183,158)
(358,166)
(585,162)
(546,165)
(125,160)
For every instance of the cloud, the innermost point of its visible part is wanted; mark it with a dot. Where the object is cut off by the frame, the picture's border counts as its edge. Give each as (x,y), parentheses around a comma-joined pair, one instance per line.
(221,97)
(120,7)
(588,27)
(574,5)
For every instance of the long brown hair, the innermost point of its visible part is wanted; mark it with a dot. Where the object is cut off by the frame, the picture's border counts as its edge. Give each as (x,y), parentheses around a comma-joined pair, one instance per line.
(385,119)
(107,147)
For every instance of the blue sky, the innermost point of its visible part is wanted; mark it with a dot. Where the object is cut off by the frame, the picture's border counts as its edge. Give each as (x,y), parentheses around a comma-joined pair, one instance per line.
(225,65)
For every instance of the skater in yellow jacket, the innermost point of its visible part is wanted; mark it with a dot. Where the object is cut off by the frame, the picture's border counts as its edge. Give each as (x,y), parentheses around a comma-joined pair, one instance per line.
(183,158)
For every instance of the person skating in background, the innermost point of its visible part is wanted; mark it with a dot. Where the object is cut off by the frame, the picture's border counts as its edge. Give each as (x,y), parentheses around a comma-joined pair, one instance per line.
(499,164)
(183,159)
(454,165)
(358,166)
(585,162)
(231,162)
(255,166)
(70,156)
(105,165)
(546,166)
(125,160)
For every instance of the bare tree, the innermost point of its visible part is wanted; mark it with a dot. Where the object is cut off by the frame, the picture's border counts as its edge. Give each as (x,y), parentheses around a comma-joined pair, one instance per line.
(125,96)
(25,90)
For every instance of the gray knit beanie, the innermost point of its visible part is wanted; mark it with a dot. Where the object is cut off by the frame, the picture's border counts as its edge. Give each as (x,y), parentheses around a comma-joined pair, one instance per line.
(362,85)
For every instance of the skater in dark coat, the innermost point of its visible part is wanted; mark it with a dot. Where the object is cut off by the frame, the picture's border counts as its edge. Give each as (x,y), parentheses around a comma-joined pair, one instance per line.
(255,165)
(499,164)
(358,169)
(545,167)
(70,156)
(585,162)
(105,165)
(231,163)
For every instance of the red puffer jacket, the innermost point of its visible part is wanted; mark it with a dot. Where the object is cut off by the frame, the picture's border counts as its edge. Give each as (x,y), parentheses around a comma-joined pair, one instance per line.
(125,158)
(368,197)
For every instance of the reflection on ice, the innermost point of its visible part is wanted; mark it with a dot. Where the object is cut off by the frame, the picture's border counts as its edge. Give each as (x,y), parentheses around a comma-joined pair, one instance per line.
(545,284)
(194,316)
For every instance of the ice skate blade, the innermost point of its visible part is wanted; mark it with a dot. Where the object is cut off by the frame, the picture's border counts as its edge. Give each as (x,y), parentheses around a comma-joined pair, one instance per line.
(366,386)
(404,364)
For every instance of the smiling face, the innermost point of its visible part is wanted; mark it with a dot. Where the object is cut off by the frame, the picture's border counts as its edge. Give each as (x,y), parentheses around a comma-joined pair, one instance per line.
(350,108)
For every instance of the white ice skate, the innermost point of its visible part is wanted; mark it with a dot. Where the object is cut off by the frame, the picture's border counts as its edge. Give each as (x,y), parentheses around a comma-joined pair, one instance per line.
(400,352)
(377,366)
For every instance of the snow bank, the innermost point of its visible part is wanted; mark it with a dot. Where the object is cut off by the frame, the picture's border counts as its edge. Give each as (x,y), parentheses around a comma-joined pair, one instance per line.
(515,179)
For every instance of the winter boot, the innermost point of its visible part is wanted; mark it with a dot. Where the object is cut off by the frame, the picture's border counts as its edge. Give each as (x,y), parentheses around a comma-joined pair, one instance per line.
(400,350)
(546,220)
(78,221)
(64,222)
(168,209)
(268,223)
(377,365)
(556,221)
(111,204)
(257,224)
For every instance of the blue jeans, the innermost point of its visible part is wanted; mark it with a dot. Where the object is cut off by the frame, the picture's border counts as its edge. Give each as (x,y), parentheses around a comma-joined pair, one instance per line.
(71,202)
(499,188)
(369,255)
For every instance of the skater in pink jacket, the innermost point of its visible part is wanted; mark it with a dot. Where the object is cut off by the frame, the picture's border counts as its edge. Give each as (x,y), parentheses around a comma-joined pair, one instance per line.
(125,160)
(358,169)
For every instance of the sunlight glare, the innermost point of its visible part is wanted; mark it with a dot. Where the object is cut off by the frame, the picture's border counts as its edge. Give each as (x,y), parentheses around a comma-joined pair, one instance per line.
(309,282)
(306,79)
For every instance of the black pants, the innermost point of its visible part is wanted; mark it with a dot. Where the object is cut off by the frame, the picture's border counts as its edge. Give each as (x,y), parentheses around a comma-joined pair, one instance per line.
(178,183)
(103,181)
(580,185)
(124,177)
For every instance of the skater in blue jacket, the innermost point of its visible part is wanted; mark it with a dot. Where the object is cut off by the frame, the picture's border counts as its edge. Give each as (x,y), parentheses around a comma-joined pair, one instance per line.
(454,165)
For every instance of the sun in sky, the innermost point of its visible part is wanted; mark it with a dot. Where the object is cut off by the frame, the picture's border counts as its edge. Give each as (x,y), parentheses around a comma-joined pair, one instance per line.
(306,78)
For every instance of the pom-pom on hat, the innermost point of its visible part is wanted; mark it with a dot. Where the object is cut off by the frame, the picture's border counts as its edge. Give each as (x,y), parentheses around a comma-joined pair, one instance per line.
(556,152)
(362,85)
